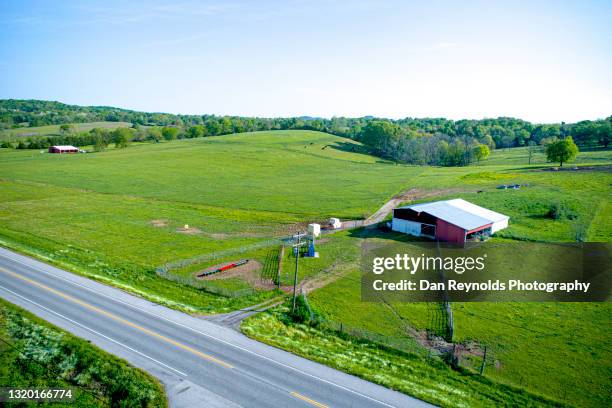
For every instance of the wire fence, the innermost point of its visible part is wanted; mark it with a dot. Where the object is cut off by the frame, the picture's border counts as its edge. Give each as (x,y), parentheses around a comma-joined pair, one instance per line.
(405,344)
(166,271)
(469,355)
(211,256)
(401,343)
(207,286)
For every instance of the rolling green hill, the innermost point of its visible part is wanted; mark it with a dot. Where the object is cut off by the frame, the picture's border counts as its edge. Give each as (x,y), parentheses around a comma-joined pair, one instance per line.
(118,214)
(54,130)
(285,172)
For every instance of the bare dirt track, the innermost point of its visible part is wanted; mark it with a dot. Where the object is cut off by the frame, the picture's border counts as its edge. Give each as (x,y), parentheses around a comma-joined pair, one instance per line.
(403,197)
(382,212)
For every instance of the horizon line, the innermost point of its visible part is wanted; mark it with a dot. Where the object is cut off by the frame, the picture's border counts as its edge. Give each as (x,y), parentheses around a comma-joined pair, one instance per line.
(305,116)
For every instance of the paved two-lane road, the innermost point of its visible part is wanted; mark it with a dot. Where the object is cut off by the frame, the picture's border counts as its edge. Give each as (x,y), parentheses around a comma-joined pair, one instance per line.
(200,363)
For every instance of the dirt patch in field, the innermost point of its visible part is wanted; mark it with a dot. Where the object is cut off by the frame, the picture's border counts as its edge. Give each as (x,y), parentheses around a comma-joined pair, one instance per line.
(223,235)
(249,272)
(217,235)
(461,350)
(159,223)
(296,228)
(189,230)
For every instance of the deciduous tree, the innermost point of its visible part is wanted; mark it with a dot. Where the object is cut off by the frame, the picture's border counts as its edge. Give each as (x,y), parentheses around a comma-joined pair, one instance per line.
(169,132)
(481,152)
(121,137)
(562,151)
(67,128)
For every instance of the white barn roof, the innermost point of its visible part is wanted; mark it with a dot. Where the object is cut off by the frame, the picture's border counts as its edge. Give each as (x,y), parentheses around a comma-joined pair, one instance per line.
(64,147)
(460,213)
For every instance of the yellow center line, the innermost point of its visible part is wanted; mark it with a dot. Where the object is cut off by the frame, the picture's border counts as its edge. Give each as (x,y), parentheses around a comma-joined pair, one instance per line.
(308,400)
(120,319)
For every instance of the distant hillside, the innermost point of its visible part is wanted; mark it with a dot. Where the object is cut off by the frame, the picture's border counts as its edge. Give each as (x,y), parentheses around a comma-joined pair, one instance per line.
(54,130)
(436,141)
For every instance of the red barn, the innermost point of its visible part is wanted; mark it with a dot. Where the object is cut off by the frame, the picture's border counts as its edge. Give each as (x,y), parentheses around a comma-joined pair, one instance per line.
(63,149)
(454,221)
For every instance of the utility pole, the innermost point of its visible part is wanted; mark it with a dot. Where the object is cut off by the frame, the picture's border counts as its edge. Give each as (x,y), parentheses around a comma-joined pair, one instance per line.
(296,252)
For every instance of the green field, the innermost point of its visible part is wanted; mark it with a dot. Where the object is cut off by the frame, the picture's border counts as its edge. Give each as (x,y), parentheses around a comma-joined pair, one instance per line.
(36,354)
(117,215)
(120,210)
(280,172)
(519,156)
(54,130)
(426,378)
(559,350)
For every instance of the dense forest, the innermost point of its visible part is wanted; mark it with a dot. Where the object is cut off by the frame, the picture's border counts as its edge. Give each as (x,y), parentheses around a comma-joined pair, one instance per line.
(436,141)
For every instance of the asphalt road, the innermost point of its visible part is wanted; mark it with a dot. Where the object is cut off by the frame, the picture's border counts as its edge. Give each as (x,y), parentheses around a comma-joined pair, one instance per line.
(200,363)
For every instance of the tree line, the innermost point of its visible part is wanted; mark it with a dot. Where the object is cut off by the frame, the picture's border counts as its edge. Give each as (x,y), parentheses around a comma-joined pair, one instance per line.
(435,141)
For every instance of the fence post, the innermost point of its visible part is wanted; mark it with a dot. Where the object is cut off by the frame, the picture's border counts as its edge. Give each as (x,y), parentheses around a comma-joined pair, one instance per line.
(450,321)
(280,266)
(450,324)
(484,361)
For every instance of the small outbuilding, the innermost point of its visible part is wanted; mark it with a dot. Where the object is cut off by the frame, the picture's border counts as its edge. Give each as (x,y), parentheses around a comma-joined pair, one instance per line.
(455,221)
(63,149)
(335,223)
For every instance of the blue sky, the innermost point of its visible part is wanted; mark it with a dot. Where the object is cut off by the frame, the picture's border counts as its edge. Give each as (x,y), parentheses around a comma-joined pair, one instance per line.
(540,61)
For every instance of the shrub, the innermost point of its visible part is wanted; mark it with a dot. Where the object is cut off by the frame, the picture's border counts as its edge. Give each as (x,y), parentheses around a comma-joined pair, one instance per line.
(558,211)
(301,313)
(304,313)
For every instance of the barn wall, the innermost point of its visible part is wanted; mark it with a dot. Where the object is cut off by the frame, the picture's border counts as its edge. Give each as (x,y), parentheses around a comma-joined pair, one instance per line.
(499,225)
(407,227)
(449,233)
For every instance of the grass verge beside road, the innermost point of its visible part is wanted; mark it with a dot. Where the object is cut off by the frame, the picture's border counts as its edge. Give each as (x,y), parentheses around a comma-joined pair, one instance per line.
(428,379)
(36,354)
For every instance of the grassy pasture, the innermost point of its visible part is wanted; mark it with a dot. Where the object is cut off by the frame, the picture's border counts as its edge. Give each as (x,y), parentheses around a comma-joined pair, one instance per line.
(94,213)
(558,350)
(427,379)
(520,156)
(116,214)
(270,171)
(54,130)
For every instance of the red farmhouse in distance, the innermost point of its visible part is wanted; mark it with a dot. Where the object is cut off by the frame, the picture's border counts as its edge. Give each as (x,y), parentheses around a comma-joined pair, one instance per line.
(63,149)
